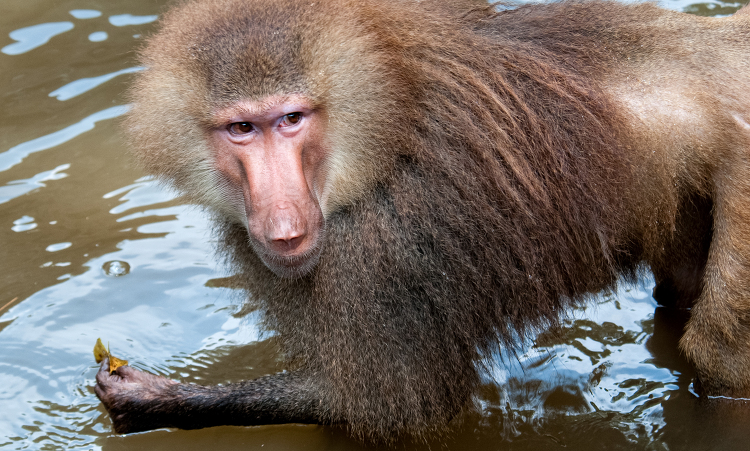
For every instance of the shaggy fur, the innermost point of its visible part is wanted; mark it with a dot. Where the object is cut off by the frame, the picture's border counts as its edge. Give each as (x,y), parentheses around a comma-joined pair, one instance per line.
(488,170)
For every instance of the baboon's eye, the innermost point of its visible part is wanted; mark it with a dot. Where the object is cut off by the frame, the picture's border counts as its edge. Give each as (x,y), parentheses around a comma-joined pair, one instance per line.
(291,119)
(240,128)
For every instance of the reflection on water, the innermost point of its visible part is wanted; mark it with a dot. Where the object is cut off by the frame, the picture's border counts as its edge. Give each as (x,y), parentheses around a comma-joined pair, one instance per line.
(16,154)
(34,36)
(91,249)
(82,85)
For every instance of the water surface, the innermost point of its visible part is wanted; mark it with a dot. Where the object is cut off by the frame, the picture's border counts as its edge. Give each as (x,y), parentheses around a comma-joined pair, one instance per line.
(92,248)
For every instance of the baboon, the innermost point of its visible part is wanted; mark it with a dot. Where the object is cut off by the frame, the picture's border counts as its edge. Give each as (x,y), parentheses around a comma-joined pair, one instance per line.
(405,186)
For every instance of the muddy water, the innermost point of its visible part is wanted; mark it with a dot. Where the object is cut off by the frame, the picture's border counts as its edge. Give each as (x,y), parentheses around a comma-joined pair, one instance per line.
(90,248)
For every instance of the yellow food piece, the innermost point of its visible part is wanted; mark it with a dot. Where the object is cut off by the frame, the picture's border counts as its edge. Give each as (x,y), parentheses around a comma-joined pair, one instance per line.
(115,363)
(101,353)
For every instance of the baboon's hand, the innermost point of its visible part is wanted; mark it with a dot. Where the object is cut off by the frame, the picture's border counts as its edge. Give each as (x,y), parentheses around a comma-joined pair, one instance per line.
(133,398)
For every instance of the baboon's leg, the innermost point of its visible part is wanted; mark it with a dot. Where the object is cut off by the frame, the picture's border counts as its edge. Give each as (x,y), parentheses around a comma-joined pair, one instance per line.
(717,336)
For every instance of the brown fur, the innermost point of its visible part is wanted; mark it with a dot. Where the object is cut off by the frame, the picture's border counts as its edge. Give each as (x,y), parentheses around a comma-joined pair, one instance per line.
(487,170)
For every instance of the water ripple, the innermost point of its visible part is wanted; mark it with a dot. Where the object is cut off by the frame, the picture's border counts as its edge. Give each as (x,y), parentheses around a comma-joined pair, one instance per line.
(34,36)
(16,154)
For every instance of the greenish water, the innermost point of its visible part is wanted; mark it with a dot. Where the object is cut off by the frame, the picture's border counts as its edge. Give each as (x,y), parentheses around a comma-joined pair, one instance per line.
(90,248)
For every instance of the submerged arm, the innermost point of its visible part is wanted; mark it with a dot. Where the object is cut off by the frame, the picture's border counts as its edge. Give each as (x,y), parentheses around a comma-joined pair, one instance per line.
(139,401)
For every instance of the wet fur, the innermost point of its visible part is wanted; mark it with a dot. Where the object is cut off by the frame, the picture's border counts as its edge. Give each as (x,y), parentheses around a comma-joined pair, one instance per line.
(485,179)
